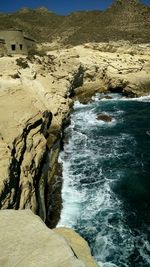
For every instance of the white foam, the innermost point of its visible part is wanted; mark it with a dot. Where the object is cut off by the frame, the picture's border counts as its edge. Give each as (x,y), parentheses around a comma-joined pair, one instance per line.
(78,105)
(72,199)
(106,97)
(116,97)
(101,246)
(148,133)
(89,119)
(96,97)
(140,99)
(109,264)
(113,97)
(145,250)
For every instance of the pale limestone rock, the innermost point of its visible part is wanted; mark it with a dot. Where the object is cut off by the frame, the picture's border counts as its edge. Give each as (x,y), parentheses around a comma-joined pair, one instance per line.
(26,241)
(85,92)
(26,166)
(116,64)
(78,244)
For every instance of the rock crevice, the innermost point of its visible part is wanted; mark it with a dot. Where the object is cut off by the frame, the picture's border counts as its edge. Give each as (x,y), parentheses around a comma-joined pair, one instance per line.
(27,154)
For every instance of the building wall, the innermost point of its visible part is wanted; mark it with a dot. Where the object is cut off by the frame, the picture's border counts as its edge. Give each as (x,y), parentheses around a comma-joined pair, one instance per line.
(31,44)
(3,49)
(15,42)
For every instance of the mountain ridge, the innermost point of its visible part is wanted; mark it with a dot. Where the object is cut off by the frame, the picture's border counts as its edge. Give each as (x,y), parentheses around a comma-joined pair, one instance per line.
(128,20)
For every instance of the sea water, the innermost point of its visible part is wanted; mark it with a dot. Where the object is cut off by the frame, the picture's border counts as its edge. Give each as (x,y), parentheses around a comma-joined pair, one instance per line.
(106,179)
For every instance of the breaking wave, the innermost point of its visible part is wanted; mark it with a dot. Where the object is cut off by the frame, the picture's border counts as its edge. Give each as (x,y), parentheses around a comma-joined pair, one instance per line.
(106,186)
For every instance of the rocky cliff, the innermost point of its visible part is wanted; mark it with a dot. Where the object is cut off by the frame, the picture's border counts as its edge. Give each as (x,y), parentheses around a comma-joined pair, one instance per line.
(34,106)
(36,98)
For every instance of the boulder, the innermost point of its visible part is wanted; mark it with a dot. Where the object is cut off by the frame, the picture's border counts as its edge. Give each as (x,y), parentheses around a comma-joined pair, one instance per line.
(104,117)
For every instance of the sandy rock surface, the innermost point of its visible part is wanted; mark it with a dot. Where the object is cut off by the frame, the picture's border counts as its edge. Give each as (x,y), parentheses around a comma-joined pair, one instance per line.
(26,241)
(116,66)
(33,104)
(78,244)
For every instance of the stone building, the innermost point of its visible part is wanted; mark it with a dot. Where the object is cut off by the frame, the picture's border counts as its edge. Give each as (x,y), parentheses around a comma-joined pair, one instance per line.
(15,42)
(3,50)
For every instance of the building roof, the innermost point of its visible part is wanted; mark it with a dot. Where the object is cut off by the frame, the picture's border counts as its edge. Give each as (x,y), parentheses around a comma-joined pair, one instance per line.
(17,30)
(27,38)
(12,30)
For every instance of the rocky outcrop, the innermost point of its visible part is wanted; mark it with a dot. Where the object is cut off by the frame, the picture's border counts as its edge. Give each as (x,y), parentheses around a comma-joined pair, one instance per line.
(20,184)
(104,117)
(36,99)
(84,93)
(35,105)
(26,241)
(119,67)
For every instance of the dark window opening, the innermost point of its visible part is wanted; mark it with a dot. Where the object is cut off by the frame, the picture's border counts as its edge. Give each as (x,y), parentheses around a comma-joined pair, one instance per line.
(21,46)
(13,47)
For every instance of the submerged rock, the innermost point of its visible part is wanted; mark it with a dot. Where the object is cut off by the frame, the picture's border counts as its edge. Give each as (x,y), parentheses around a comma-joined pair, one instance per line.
(104,117)
(107,97)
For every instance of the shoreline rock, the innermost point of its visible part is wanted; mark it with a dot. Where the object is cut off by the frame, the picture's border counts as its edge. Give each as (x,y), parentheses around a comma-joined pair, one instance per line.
(36,102)
(40,98)
(104,117)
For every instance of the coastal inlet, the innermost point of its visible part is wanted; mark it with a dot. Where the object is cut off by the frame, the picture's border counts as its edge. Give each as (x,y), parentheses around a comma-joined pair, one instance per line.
(106,178)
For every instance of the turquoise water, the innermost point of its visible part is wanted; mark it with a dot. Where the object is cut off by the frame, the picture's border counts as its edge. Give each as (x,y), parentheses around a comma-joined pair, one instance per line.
(106,171)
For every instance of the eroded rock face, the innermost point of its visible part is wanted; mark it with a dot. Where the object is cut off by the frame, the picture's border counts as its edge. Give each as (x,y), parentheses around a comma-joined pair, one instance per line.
(115,66)
(35,103)
(26,241)
(23,147)
(21,181)
(34,106)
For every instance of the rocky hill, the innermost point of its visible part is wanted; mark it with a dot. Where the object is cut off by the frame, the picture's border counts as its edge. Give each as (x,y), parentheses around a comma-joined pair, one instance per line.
(125,19)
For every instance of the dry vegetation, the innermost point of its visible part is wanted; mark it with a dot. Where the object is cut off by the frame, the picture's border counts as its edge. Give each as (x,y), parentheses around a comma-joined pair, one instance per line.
(125,19)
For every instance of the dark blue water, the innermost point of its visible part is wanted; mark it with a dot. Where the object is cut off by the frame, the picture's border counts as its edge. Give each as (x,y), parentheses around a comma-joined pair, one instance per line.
(106,170)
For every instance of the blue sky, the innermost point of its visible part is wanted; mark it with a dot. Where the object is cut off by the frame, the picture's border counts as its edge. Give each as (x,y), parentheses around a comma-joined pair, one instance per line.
(57,6)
